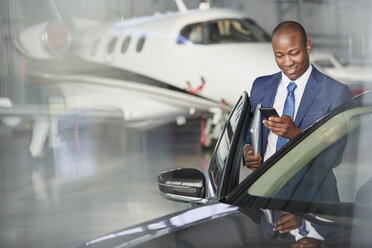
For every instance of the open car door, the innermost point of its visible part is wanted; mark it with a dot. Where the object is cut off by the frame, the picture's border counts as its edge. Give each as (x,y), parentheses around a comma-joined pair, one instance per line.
(195,186)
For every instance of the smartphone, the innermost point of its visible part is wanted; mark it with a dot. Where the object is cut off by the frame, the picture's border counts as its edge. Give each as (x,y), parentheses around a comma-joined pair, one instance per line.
(267,112)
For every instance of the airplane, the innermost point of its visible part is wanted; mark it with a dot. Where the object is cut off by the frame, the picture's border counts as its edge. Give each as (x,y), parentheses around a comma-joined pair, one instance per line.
(154,69)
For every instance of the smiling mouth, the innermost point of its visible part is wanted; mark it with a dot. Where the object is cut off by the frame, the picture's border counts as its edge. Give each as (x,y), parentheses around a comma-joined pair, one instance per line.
(291,71)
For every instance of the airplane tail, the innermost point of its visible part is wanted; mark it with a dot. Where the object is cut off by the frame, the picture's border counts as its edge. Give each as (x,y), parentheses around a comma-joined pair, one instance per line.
(181,5)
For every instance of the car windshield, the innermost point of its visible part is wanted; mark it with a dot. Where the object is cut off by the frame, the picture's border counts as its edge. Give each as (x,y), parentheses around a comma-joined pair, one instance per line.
(330,165)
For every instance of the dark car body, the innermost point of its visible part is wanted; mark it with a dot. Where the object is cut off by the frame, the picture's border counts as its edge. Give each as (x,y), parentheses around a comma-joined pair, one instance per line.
(235,207)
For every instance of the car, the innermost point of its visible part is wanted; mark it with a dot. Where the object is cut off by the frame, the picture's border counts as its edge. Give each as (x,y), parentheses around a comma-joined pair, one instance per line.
(233,206)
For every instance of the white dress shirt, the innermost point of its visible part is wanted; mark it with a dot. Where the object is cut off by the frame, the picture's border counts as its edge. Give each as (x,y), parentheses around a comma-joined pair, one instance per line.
(280,97)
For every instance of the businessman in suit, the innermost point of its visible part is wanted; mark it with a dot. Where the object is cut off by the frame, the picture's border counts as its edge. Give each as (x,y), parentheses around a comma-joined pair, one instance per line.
(300,94)
(315,93)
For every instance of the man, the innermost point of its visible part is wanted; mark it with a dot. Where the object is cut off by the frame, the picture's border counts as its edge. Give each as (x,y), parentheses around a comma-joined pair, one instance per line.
(315,94)
(299,93)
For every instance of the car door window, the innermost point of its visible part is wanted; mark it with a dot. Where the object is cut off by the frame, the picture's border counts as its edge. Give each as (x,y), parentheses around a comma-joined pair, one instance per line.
(332,164)
(223,151)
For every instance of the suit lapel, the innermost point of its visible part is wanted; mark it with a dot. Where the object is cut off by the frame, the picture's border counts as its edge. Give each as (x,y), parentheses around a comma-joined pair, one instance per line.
(270,91)
(311,91)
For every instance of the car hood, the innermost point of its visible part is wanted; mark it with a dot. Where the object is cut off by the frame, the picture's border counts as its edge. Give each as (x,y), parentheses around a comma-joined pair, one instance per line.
(214,225)
(162,226)
(220,225)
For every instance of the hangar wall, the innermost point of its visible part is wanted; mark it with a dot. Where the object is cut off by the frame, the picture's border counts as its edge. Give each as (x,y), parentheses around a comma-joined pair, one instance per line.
(10,64)
(109,10)
(341,27)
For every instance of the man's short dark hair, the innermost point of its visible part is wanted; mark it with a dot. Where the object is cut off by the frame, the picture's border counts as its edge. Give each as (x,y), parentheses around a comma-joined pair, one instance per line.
(290,26)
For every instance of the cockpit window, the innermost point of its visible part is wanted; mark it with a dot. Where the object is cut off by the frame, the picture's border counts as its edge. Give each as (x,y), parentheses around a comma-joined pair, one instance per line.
(191,34)
(222,31)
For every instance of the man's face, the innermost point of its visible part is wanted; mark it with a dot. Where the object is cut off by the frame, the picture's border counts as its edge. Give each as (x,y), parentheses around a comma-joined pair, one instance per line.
(291,53)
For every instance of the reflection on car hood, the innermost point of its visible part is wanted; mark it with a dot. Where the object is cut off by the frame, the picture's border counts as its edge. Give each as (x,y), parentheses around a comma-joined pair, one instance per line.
(221,225)
(156,228)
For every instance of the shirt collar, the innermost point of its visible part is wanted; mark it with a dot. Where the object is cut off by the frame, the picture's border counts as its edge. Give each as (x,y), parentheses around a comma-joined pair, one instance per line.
(301,81)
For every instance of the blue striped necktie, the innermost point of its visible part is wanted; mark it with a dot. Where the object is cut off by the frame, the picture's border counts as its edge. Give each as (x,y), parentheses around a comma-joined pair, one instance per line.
(289,107)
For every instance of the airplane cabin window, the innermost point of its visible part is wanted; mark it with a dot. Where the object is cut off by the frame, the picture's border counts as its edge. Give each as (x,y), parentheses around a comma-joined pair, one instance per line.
(140,43)
(95,47)
(111,45)
(125,45)
(223,31)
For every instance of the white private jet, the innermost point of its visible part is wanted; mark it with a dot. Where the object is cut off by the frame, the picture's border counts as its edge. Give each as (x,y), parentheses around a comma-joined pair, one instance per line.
(153,69)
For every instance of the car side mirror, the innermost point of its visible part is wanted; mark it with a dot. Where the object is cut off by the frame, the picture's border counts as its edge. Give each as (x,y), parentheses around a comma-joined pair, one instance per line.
(184,185)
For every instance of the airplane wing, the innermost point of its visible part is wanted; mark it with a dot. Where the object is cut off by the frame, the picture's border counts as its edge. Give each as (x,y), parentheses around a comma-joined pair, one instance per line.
(141,106)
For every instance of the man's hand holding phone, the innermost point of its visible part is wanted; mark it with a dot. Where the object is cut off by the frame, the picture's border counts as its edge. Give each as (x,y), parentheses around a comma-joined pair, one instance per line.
(268,112)
(282,126)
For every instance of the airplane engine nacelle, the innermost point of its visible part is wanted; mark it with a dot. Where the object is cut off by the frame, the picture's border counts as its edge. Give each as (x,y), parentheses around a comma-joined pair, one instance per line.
(44,41)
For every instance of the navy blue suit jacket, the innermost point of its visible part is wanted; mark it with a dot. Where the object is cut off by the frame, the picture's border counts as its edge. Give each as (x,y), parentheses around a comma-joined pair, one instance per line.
(321,95)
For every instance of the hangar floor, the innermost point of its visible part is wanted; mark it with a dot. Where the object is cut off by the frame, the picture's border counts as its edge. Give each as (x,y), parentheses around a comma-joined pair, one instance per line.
(92,178)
